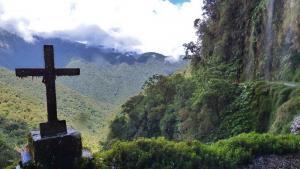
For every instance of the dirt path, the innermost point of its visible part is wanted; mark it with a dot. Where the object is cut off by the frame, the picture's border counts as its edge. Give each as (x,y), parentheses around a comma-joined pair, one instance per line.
(289,84)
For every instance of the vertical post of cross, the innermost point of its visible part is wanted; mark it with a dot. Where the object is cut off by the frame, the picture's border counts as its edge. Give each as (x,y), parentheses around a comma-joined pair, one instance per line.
(49,80)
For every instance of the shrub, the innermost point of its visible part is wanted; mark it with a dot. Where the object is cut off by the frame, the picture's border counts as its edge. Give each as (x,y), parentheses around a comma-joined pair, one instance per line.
(156,153)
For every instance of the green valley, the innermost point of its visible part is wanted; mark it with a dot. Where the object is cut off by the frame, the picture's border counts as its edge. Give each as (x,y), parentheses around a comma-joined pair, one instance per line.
(114,83)
(23,108)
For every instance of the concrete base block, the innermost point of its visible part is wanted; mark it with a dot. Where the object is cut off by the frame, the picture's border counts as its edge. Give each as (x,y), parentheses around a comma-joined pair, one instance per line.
(49,129)
(59,152)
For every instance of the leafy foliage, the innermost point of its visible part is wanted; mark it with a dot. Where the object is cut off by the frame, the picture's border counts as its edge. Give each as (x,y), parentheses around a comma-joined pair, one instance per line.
(223,95)
(160,153)
(179,107)
(7,154)
(82,163)
(216,101)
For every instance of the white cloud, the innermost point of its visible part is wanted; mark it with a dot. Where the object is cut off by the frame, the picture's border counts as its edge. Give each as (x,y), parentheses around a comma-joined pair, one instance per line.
(151,25)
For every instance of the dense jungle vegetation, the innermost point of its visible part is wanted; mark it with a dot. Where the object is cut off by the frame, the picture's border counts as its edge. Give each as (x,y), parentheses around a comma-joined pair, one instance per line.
(217,97)
(242,78)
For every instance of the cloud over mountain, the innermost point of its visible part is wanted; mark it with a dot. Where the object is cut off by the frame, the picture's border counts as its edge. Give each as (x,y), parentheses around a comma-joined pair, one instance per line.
(143,25)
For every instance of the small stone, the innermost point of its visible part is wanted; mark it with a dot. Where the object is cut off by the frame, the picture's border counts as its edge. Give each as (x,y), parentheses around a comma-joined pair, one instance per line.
(295,127)
(291,161)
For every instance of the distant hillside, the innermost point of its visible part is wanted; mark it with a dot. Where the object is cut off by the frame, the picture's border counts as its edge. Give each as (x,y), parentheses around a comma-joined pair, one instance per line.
(114,83)
(22,107)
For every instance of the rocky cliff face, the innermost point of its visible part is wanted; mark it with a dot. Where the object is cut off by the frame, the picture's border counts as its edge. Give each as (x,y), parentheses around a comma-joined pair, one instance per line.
(273,43)
(254,39)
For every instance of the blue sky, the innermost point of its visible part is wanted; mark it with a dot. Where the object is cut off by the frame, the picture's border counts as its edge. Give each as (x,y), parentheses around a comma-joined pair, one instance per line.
(178,1)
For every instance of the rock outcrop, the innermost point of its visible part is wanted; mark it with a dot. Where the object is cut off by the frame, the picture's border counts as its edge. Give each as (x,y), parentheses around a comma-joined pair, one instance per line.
(295,127)
(275,162)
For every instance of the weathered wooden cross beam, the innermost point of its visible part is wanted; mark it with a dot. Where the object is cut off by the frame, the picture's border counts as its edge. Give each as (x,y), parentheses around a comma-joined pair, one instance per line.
(53,126)
(24,72)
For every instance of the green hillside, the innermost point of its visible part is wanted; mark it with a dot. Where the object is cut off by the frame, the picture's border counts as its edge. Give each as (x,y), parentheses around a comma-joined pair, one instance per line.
(114,83)
(236,83)
(23,106)
(242,79)
(179,107)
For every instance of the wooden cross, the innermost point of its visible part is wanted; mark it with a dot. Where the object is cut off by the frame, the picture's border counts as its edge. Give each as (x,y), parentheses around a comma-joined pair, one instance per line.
(53,126)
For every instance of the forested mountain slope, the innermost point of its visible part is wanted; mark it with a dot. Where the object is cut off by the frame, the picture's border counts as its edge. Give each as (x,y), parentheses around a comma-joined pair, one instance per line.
(23,107)
(114,83)
(250,40)
(227,90)
(243,78)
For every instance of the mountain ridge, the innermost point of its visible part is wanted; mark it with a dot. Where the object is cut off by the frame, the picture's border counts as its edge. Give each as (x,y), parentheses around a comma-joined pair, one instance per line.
(14,49)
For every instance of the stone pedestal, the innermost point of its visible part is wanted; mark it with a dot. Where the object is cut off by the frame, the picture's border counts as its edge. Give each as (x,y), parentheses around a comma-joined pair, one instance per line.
(57,152)
(49,129)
